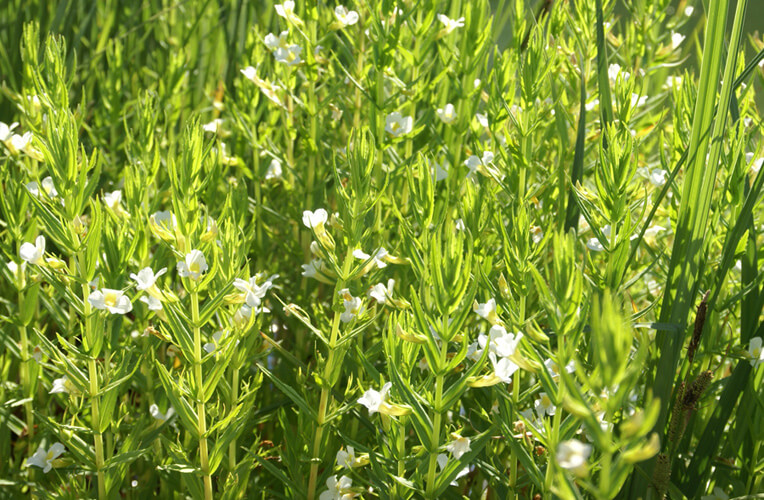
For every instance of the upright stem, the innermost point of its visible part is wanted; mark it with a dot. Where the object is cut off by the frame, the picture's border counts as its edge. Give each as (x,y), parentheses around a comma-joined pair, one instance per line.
(326,389)
(515,404)
(436,421)
(200,409)
(232,403)
(24,377)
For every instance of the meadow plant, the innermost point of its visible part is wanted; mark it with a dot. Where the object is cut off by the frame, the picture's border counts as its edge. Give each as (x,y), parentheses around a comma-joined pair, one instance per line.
(394,249)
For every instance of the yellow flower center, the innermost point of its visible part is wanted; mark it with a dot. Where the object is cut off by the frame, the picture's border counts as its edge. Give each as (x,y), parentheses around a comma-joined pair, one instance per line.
(194,267)
(110,299)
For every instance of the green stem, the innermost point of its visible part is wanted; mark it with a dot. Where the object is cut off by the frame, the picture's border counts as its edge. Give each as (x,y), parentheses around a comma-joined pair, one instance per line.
(436,422)
(200,409)
(96,419)
(326,388)
(232,403)
(515,404)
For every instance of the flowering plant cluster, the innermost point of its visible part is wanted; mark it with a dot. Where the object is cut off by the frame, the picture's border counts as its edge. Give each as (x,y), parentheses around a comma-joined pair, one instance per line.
(403,249)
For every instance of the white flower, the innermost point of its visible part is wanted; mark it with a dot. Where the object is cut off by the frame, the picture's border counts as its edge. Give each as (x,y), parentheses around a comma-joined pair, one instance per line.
(345,17)
(594,244)
(286,10)
(379,256)
(673,81)
(154,411)
(6,131)
(152,302)
(442,460)
(614,70)
(113,199)
(459,225)
(253,292)
(554,368)
(380,293)
(47,186)
(373,399)
(755,164)
(397,124)
(447,114)
(115,301)
(482,119)
(689,10)
(193,266)
(459,447)
(537,234)
(544,405)
(338,489)
(676,40)
(500,342)
(440,172)
(572,454)
(60,385)
(288,55)
(146,278)
(346,458)
(33,254)
(214,127)
(211,346)
(658,177)
(486,310)
(755,351)
(274,170)
(474,163)
(449,25)
(315,220)
(274,42)
(503,368)
(353,307)
(44,459)
(637,100)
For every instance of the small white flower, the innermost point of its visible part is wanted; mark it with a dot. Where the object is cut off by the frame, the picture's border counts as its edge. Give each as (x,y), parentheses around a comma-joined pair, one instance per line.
(286,10)
(115,301)
(338,489)
(676,40)
(475,163)
(47,185)
(373,399)
(379,256)
(397,124)
(154,411)
(572,454)
(658,177)
(380,293)
(500,342)
(33,254)
(689,10)
(673,81)
(459,225)
(211,346)
(440,172)
(113,199)
(44,459)
(146,278)
(594,244)
(315,220)
(193,266)
(345,17)
(152,302)
(614,70)
(353,307)
(214,127)
(274,42)
(6,131)
(637,100)
(60,385)
(449,25)
(482,119)
(503,368)
(288,55)
(459,447)
(254,292)
(37,353)
(755,351)
(486,310)
(447,114)
(554,369)
(274,170)
(346,458)
(544,405)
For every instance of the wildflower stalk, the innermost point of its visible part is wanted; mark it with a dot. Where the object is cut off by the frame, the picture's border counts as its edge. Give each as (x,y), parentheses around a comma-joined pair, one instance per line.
(232,404)
(24,372)
(95,411)
(326,389)
(436,422)
(200,409)
(516,398)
